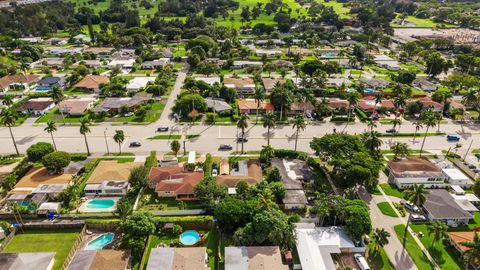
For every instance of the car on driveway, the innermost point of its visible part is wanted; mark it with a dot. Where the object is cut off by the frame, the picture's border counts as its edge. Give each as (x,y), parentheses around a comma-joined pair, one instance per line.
(225,147)
(162,129)
(361,261)
(135,144)
(453,138)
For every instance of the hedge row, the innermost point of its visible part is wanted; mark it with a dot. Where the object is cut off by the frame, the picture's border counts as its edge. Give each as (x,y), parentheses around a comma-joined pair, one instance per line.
(182,220)
(361,114)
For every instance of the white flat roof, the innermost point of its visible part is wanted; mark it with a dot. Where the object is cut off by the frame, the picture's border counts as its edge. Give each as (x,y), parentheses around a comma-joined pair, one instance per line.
(191,157)
(455,174)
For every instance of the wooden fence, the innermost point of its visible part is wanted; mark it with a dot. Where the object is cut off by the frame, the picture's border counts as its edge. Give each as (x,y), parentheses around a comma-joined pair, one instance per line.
(74,248)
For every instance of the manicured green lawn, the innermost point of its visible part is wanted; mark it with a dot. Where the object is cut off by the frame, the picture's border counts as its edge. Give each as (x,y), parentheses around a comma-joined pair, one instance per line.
(386,209)
(391,190)
(379,258)
(424,23)
(413,249)
(150,201)
(166,137)
(59,241)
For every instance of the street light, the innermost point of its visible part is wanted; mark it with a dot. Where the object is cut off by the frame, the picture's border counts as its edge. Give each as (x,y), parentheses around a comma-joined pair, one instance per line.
(106,143)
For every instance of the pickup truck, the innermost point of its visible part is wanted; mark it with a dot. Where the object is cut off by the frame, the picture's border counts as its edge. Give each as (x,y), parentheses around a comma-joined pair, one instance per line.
(453,138)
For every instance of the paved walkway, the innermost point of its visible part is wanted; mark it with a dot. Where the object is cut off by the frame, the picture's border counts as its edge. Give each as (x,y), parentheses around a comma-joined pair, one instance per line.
(166,117)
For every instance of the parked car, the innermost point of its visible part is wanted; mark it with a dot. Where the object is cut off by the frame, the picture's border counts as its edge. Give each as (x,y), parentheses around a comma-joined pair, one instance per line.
(418,218)
(242,140)
(225,147)
(392,130)
(214,166)
(361,261)
(471,166)
(453,138)
(135,144)
(214,172)
(409,206)
(162,129)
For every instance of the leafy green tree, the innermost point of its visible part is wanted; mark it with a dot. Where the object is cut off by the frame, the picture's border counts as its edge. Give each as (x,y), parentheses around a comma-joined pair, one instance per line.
(9,181)
(175,147)
(234,212)
(372,141)
(124,209)
(267,153)
(417,196)
(299,123)
(119,138)
(84,129)
(436,64)
(8,117)
(269,123)
(37,151)
(242,188)
(189,102)
(209,191)
(400,149)
(281,97)
(138,177)
(141,113)
(357,221)
(69,197)
(55,162)
(321,207)
(243,124)
(50,128)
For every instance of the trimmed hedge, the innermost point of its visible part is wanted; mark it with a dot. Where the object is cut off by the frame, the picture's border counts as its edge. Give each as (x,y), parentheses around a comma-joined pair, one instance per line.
(185,220)
(361,114)
(151,160)
(207,165)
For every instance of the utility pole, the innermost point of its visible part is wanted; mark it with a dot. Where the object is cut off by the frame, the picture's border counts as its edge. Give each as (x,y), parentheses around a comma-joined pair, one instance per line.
(106,143)
(468,150)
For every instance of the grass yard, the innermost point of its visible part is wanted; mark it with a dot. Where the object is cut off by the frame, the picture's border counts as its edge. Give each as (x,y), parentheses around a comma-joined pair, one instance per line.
(424,23)
(390,190)
(418,258)
(387,209)
(445,257)
(379,258)
(173,137)
(150,201)
(59,241)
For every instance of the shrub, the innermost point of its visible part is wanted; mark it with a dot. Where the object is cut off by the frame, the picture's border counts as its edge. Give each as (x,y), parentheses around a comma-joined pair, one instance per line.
(207,165)
(55,162)
(361,114)
(37,151)
(78,157)
(151,160)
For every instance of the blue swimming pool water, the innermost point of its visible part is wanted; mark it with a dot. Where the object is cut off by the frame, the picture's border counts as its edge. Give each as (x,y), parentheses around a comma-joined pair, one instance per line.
(100,204)
(189,238)
(99,242)
(368,90)
(42,89)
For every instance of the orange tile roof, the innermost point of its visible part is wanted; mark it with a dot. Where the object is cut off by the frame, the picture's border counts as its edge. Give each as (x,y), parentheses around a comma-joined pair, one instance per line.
(254,175)
(38,176)
(181,183)
(459,237)
(238,82)
(5,81)
(251,104)
(92,81)
(158,174)
(111,170)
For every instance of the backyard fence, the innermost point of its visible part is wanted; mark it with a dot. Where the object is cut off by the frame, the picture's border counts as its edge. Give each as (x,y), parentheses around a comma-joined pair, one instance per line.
(7,239)
(74,248)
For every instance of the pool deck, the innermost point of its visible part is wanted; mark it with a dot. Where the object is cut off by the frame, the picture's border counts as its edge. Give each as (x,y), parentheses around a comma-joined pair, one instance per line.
(84,209)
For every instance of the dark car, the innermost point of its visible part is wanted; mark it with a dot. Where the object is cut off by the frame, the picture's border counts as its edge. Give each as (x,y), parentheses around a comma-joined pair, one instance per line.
(162,129)
(242,140)
(392,130)
(453,138)
(135,144)
(225,147)
(214,165)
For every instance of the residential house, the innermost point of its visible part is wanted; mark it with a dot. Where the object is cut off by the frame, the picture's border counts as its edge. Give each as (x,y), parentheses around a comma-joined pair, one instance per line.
(338,82)
(317,245)
(294,174)
(268,53)
(429,103)
(247,170)
(328,53)
(186,258)
(75,106)
(27,260)
(63,50)
(269,83)
(425,85)
(81,38)
(125,64)
(405,173)
(335,104)
(457,238)
(100,52)
(301,51)
(138,83)
(250,106)
(91,83)
(209,80)
(39,181)
(91,63)
(267,42)
(369,105)
(282,64)
(375,83)
(18,82)
(57,41)
(440,206)
(385,61)
(33,40)
(217,61)
(243,85)
(48,83)
(49,207)
(161,62)
(53,63)
(110,178)
(217,105)
(457,177)
(100,260)
(342,62)
(246,63)
(174,182)
(114,104)
(254,258)
(36,106)
(301,107)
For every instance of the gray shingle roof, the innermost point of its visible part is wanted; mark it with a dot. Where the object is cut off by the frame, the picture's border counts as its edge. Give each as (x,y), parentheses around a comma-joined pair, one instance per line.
(441,205)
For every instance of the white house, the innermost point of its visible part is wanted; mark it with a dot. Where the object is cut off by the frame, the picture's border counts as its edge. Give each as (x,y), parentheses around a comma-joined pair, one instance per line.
(456,177)
(441,206)
(247,63)
(138,83)
(161,62)
(406,172)
(122,63)
(268,53)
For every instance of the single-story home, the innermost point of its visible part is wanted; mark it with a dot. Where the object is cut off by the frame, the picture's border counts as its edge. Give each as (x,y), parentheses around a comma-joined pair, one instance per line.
(247,63)
(247,170)
(342,62)
(294,174)
(337,103)
(429,103)
(75,106)
(249,106)
(386,61)
(161,62)
(18,82)
(36,106)
(54,62)
(368,104)
(174,182)
(457,177)
(209,80)
(91,63)
(100,260)
(268,53)
(138,83)
(35,178)
(91,83)
(110,178)
(316,245)
(441,206)
(167,258)
(102,52)
(122,63)
(243,258)
(300,107)
(113,104)
(63,50)
(243,85)
(49,207)
(48,83)
(456,238)
(425,84)
(404,173)
(217,105)
(57,41)
(269,83)
(338,82)
(283,64)
(375,83)
(27,260)
(81,38)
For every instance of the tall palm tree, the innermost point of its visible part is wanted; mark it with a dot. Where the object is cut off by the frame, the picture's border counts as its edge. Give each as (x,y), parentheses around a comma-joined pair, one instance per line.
(7,100)
(381,237)
(470,98)
(259,96)
(119,137)
(352,98)
(378,100)
(396,122)
(371,124)
(243,124)
(266,199)
(57,94)
(418,126)
(473,251)
(417,196)
(50,128)
(443,100)
(400,149)
(9,118)
(439,229)
(372,141)
(269,123)
(429,119)
(298,123)
(84,129)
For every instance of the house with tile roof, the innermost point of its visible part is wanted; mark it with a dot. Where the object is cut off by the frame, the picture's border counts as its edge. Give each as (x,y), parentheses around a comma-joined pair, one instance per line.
(27,260)
(187,258)
(18,82)
(100,259)
(36,106)
(91,83)
(174,182)
(247,170)
(110,178)
(250,106)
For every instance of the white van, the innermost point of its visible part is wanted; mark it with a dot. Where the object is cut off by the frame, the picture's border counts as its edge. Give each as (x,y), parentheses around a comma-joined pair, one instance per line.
(361,261)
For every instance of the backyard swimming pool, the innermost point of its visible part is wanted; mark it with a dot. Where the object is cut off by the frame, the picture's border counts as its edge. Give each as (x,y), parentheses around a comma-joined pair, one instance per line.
(189,238)
(99,242)
(100,204)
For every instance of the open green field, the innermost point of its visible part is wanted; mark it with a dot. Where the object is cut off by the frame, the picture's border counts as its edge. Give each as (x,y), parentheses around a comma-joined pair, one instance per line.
(423,23)
(420,260)
(58,241)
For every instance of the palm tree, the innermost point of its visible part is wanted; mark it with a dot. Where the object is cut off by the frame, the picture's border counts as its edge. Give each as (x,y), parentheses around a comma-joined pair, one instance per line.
(322,207)
(124,209)
(378,100)
(418,126)
(266,199)
(371,124)
(372,140)
(84,129)
(470,98)
(352,98)
(7,100)
(473,251)
(439,229)
(50,128)
(9,118)
(443,100)
(259,96)
(119,137)
(429,119)
(269,122)
(417,196)
(381,237)
(400,149)
(242,124)
(57,94)
(396,122)
(298,123)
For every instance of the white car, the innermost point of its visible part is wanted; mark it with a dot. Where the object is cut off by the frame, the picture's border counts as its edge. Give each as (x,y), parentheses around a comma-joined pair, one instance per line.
(214,172)
(361,261)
